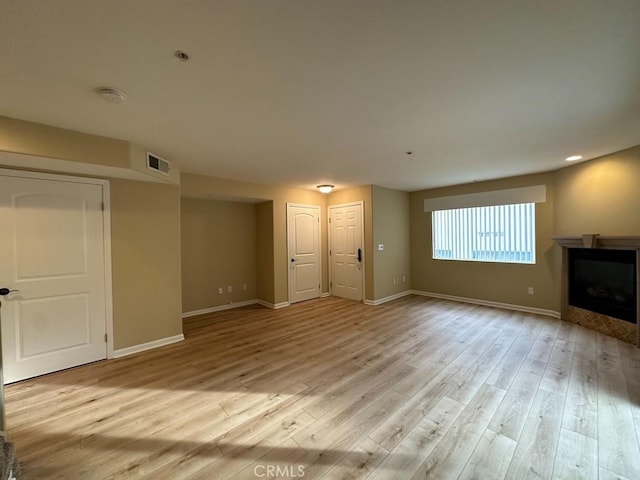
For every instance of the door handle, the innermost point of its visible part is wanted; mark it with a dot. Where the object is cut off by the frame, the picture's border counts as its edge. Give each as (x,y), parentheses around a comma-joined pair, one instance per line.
(360,255)
(6,291)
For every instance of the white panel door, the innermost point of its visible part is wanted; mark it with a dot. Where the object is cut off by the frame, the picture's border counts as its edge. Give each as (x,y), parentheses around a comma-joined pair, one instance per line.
(346,251)
(52,253)
(303,243)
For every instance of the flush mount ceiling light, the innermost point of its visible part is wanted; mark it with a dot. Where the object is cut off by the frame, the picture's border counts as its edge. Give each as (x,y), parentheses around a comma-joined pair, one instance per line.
(325,188)
(111,95)
(573,158)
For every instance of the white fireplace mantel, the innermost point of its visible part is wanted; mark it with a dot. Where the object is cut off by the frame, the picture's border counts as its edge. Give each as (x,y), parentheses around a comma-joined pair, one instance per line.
(595,240)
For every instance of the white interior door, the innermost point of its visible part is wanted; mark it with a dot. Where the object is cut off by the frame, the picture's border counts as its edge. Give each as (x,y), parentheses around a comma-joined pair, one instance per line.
(52,252)
(346,251)
(303,243)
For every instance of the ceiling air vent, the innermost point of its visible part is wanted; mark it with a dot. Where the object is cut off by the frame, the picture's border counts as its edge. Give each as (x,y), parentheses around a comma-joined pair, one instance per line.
(158,164)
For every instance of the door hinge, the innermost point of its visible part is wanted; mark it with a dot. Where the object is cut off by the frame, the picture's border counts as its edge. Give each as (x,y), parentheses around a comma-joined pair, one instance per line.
(102,206)
(329,219)
(330,284)
(330,253)
(105,338)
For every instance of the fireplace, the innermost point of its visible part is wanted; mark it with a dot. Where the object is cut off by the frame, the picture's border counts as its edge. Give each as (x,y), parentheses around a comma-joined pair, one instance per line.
(604,281)
(600,284)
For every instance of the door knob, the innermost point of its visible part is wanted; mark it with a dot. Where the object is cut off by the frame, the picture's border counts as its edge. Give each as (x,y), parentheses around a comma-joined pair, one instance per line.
(293,260)
(6,291)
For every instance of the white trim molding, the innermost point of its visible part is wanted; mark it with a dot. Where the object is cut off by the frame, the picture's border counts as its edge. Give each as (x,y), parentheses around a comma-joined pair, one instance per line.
(395,296)
(275,306)
(220,308)
(325,294)
(123,352)
(231,306)
(489,303)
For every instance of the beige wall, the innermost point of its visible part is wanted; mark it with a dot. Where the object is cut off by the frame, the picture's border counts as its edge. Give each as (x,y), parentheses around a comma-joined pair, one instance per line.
(219,249)
(145,246)
(145,227)
(265,249)
(49,149)
(498,282)
(601,196)
(18,136)
(201,186)
(598,196)
(391,227)
(363,194)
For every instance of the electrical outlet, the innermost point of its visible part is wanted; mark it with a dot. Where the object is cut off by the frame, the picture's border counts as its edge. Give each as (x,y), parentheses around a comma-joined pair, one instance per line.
(220,291)
(244,286)
(530,290)
(380,246)
(229,289)
(395,281)
(404,279)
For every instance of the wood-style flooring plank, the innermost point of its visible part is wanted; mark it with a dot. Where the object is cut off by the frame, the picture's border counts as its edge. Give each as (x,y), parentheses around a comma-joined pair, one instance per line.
(341,390)
(451,454)
(618,449)
(534,456)
(491,458)
(407,457)
(576,457)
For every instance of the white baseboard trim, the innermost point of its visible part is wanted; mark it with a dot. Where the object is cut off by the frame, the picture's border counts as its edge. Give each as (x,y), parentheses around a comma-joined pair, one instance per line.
(220,308)
(324,294)
(275,306)
(488,303)
(395,296)
(123,352)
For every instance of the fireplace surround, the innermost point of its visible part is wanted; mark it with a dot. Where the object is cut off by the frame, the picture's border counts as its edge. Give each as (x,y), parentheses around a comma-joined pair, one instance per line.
(600,284)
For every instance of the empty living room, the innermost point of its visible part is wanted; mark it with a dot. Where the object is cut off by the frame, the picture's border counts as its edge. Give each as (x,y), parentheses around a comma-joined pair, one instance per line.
(338,239)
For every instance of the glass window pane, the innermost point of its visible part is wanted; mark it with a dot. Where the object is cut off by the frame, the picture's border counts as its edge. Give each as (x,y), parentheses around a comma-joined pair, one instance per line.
(502,233)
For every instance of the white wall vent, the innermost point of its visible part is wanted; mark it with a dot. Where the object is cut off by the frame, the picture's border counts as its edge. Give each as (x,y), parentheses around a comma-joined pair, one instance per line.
(158,164)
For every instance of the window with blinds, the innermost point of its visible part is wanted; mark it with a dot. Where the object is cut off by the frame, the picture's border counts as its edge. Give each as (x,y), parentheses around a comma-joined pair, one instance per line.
(502,233)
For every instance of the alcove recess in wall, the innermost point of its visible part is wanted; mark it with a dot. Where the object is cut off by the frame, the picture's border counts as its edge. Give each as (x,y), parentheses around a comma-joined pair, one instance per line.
(601,284)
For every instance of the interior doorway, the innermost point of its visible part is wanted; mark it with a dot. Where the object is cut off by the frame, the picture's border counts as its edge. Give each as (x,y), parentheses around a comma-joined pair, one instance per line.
(55,263)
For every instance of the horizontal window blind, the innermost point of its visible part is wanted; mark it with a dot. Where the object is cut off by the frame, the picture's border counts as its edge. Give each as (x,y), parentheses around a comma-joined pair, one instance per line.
(501,233)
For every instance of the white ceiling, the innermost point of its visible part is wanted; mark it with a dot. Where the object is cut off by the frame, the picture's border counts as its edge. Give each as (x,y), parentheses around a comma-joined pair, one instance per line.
(302,92)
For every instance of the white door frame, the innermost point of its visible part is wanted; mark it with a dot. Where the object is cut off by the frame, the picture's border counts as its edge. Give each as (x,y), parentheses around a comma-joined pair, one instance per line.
(348,204)
(106,232)
(319,208)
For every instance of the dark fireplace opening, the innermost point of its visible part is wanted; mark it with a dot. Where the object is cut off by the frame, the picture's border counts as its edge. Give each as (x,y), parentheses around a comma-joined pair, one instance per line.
(604,281)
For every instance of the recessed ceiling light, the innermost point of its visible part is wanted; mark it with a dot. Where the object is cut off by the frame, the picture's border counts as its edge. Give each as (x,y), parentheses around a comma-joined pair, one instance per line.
(182,56)
(111,95)
(325,188)
(573,158)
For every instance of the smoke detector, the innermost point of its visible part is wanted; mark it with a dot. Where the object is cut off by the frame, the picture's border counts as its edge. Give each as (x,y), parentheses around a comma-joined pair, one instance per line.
(111,95)
(181,55)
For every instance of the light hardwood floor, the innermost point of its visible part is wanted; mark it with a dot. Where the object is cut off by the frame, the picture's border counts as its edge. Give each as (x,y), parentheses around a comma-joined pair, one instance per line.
(417,388)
